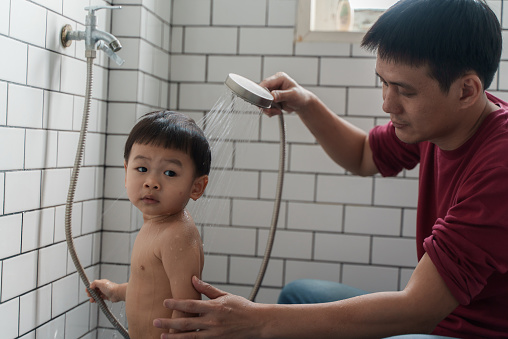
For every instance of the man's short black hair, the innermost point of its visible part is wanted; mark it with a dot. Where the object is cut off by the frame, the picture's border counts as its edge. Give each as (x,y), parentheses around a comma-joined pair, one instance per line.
(452,37)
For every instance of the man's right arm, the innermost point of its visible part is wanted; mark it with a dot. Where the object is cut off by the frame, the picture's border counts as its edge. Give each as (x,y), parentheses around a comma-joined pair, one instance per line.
(344,143)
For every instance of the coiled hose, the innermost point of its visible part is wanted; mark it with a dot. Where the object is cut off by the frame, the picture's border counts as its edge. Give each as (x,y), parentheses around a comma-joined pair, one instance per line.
(276,209)
(70,200)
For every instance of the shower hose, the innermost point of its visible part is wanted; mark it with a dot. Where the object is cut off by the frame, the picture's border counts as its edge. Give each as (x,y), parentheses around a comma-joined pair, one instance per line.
(70,200)
(276,208)
(72,188)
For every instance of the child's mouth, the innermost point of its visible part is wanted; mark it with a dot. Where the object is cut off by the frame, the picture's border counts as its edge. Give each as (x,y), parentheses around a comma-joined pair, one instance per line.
(148,199)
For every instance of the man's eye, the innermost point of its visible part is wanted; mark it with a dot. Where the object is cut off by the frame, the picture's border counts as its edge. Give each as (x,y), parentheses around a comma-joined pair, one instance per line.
(407,95)
(141,169)
(169,173)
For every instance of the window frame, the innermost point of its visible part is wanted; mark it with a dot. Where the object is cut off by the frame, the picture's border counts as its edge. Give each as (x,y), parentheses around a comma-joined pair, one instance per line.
(303,32)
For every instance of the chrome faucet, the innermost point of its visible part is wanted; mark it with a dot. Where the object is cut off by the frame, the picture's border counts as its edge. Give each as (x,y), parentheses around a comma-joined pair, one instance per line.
(94,38)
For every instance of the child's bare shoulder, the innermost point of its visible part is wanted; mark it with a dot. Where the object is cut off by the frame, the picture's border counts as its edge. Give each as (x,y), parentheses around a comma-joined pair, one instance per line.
(182,231)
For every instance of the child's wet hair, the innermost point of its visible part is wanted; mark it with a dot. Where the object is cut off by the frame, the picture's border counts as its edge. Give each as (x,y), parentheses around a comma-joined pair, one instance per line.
(172,130)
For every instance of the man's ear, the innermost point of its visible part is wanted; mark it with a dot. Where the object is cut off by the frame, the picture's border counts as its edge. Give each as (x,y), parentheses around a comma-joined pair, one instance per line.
(471,89)
(198,187)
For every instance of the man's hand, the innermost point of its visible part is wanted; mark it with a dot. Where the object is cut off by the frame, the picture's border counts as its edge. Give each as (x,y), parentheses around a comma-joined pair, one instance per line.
(223,316)
(287,93)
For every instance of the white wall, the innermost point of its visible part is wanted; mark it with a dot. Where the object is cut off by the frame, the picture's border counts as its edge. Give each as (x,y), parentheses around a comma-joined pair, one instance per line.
(333,226)
(360,231)
(41,101)
(42,87)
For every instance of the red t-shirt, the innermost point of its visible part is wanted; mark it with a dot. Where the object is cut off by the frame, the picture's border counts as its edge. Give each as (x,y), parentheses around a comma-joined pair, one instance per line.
(462,219)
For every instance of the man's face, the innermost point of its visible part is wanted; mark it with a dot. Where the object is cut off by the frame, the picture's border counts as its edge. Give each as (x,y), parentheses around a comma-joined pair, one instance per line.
(418,108)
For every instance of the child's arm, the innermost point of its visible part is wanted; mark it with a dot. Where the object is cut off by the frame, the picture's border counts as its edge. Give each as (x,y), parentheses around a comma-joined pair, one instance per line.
(108,290)
(182,260)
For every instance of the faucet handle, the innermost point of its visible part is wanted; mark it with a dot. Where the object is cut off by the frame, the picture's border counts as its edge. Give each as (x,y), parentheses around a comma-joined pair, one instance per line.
(91,9)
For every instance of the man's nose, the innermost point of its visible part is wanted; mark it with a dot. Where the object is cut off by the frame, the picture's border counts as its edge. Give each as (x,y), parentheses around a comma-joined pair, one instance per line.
(391,102)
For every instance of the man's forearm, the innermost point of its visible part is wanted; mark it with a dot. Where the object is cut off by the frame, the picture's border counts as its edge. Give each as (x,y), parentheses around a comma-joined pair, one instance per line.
(425,301)
(368,316)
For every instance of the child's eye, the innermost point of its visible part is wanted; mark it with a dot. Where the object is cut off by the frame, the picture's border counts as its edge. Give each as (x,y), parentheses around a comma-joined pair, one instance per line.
(169,173)
(142,169)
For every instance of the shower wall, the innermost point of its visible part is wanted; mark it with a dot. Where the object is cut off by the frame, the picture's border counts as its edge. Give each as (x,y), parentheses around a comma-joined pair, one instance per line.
(42,88)
(335,226)
(359,231)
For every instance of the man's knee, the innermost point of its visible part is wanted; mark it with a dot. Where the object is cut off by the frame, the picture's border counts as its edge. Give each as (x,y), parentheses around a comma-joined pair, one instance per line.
(292,292)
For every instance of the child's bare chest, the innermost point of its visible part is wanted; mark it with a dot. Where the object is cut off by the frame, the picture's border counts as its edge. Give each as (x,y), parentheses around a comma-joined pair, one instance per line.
(145,256)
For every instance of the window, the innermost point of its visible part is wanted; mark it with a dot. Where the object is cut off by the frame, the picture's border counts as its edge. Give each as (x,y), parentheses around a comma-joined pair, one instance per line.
(337,20)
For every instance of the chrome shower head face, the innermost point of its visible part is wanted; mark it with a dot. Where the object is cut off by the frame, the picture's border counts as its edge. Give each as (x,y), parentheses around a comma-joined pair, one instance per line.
(249,91)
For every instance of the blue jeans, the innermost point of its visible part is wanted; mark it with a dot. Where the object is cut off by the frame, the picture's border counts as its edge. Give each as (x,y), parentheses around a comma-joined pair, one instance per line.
(310,291)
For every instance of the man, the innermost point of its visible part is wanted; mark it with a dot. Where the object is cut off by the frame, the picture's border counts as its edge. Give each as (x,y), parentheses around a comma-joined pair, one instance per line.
(435,58)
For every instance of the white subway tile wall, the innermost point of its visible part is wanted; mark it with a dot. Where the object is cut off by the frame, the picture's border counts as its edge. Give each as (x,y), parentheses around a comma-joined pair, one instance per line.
(332,225)
(35,308)
(42,88)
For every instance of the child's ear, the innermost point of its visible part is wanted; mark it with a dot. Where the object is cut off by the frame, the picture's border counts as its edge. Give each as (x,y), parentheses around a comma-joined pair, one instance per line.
(198,187)
(125,166)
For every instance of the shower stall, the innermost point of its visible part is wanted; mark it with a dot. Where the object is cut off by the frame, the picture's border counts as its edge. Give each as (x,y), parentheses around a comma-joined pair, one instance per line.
(177,55)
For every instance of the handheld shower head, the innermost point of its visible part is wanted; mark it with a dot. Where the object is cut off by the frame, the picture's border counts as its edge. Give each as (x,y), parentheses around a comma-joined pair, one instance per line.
(249,91)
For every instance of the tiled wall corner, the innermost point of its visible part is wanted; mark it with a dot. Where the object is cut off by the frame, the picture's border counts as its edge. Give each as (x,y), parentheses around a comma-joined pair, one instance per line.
(42,87)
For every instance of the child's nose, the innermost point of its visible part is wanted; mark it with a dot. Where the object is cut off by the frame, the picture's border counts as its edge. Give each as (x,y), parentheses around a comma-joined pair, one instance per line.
(152,183)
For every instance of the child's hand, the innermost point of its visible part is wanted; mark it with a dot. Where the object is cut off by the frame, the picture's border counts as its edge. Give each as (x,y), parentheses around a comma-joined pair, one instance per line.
(106,289)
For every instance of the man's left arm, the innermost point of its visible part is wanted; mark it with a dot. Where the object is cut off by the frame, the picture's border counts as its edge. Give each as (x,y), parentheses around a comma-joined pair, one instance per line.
(419,308)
